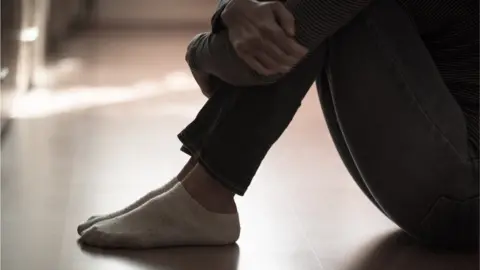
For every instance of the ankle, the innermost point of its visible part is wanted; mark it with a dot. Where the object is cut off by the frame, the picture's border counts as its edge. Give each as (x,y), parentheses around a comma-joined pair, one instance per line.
(186,169)
(212,200)
(209,192)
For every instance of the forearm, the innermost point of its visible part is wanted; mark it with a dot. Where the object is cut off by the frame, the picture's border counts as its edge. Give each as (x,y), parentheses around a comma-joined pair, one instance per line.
(215,55)
(316,20)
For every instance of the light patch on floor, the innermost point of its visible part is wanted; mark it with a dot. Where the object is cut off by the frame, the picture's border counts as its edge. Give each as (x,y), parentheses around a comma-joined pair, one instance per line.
(44,102)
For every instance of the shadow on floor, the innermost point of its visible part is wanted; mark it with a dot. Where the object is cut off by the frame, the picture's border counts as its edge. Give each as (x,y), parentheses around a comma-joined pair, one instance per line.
(397,251)
(185,258)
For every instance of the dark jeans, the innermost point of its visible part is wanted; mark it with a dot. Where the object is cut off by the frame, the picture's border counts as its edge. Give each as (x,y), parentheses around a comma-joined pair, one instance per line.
(395,124)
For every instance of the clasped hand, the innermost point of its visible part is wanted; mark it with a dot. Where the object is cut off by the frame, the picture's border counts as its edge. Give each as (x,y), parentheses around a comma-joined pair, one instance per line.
(262,34)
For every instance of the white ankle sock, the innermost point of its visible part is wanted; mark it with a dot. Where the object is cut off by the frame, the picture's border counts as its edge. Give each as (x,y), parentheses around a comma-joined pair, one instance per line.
(95,219)
(171,219)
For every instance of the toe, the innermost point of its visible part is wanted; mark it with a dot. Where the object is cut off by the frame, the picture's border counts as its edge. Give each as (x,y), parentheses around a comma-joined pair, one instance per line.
(92,218)
(84,226)
(81,228)
(96,237)
(92,237)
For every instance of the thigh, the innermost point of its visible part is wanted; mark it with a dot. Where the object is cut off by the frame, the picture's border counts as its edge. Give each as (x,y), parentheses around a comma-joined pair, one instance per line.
(405,132)
(328,108)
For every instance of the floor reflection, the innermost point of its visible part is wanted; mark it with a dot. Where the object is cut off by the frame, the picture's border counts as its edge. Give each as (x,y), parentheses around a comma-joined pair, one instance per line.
(397,251)
(211,258)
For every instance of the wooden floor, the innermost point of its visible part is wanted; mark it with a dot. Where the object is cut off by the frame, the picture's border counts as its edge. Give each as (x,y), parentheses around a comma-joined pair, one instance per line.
(105,133)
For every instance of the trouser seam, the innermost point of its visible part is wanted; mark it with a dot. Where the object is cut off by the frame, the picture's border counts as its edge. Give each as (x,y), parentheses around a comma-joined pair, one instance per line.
(371,24)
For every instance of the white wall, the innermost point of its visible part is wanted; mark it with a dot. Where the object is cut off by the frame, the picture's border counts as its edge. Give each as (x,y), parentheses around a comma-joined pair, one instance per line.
(154,11)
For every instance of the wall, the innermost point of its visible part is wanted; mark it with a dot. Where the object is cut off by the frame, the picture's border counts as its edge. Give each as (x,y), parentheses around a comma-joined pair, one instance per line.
(10,46)
(154,12)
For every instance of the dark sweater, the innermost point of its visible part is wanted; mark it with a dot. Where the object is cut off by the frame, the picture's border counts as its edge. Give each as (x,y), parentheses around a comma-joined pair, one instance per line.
(449,28)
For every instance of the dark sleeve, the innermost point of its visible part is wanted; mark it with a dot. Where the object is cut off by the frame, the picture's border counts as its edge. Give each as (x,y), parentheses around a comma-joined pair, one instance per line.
(217,23)
(315,21)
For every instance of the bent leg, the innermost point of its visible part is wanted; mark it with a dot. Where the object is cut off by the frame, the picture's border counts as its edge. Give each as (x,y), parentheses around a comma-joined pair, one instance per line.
(404,130)
(249,122)
(328,108)
(230,137)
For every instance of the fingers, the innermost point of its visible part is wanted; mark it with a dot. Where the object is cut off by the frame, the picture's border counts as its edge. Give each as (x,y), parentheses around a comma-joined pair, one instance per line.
(266,43)
(283,61)
(266,59)
(284,18)
(278,26)
(265,56)
(275,34)
(284,50)
(272,64)
(256,65)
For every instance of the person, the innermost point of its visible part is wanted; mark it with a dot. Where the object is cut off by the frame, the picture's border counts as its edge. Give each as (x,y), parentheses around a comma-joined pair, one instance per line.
(398,85)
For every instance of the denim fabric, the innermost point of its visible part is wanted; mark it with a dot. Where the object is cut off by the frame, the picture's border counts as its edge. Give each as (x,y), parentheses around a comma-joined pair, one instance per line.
(399,131)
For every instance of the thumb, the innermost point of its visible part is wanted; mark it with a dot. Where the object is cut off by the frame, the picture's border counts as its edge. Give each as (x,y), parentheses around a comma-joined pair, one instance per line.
(284,18)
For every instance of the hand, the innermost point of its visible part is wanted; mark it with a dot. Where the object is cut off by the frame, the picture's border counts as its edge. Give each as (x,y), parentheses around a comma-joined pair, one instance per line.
(262,34)
(203,80)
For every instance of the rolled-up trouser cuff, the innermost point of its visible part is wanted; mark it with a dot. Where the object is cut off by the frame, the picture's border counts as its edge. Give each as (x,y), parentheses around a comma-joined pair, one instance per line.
(193,151)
